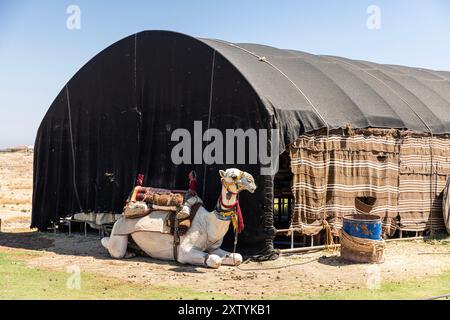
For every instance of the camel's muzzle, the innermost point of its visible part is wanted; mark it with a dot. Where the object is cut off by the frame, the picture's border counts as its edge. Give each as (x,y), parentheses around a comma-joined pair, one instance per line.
(251,189)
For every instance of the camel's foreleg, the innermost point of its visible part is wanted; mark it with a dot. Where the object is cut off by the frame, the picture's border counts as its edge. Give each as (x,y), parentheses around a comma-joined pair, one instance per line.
(228,258)
(197,257)
(116,245)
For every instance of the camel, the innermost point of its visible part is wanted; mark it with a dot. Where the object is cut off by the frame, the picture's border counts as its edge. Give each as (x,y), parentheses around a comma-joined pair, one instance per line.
(201,243)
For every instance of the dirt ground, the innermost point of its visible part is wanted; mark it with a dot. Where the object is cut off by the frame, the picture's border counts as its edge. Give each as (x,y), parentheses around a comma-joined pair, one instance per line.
(294,274)
(16,179)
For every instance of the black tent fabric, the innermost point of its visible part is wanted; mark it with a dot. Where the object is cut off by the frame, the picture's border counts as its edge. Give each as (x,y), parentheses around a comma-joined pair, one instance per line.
(114,118)
(308,92)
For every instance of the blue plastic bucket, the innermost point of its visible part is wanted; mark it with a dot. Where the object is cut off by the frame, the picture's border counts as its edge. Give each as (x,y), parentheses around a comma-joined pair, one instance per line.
(363,226)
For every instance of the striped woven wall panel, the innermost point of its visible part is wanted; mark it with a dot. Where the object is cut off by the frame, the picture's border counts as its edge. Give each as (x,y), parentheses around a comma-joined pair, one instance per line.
(329,172)
(355,143)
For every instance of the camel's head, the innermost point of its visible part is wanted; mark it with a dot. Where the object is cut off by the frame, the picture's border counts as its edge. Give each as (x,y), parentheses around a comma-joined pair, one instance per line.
(236,180)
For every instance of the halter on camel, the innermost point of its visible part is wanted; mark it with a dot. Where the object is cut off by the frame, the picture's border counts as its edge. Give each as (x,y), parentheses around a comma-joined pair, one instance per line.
(235,213)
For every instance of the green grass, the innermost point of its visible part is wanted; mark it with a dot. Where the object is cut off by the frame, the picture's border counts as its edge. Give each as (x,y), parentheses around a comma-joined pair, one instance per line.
(413,289)
(441,239)
(422,288)
(20,282)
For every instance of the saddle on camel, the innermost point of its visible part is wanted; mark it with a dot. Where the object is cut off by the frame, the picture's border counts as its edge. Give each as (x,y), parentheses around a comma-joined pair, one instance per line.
(180,205)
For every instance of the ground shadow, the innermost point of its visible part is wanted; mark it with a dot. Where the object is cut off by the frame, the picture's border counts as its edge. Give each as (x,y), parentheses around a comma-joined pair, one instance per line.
(186,268)
(335,261)
(25,240)
(79,245)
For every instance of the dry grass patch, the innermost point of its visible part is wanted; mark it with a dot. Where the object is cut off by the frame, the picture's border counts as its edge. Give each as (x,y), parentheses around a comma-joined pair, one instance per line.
(18,186)
(14,201)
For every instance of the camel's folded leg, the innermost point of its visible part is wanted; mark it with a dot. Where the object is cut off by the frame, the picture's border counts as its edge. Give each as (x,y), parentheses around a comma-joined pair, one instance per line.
(116,245)
(228,258)
(197,257)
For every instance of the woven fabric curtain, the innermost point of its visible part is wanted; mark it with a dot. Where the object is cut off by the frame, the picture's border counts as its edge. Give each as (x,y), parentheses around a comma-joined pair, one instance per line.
(334,174)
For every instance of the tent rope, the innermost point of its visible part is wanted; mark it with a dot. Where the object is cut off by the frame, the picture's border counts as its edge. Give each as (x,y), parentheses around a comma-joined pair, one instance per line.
(73,150)
(211,87)
(329,242)
(265,60)
(136,93)
(275,268)
(135,67)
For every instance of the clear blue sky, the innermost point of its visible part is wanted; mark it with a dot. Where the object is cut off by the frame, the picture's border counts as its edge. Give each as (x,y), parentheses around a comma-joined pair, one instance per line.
(38,54)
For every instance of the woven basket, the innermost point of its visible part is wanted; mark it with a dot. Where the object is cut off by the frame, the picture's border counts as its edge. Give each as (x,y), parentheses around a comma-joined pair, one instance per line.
(361,250)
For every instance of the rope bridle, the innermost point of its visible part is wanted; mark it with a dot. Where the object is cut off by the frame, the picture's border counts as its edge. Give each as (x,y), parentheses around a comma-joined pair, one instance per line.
(231,213)
(234,183)
(234,213)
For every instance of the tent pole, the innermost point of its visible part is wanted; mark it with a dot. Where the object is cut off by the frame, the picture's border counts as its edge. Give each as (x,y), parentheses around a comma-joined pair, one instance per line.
(307,249)
(322,247)
(292,240)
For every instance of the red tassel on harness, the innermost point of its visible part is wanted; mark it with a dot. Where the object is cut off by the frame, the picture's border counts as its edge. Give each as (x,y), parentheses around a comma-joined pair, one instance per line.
(237,211)
(240,218)
(140,180)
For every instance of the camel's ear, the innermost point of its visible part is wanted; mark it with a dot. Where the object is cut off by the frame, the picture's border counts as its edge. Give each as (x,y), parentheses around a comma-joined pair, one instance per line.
(222,173)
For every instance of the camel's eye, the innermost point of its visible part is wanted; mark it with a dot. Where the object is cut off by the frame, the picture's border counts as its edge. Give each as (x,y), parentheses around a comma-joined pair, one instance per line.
(233,176)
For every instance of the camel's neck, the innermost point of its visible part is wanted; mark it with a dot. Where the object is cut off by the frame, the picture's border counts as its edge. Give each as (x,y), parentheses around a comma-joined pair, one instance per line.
(228,199)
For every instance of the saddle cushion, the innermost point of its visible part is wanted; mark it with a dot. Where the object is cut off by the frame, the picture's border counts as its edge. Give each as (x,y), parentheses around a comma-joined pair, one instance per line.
(157,221)
(135,209)
(159,197)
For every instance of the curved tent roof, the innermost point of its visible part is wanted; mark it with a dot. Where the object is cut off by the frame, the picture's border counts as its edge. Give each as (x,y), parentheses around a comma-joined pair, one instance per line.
(321,91)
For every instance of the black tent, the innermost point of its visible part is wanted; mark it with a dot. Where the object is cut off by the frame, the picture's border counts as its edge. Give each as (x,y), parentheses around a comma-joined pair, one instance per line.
(114,118)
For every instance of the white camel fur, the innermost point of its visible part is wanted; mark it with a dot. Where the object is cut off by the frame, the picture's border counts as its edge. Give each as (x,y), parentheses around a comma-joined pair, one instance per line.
(201,244)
